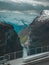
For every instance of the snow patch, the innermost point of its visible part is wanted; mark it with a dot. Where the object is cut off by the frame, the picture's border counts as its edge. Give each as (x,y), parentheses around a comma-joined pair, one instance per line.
(44,15)
(45,12)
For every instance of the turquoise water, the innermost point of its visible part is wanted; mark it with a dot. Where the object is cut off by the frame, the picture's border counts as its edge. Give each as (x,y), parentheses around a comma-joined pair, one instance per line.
(18,28)
(18,20)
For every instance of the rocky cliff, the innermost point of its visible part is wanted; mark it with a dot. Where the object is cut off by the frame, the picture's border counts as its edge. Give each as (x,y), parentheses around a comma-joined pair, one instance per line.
(39,31)
(9,40)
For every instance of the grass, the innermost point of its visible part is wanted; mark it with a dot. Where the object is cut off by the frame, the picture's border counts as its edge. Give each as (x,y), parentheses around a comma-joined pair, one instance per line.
(24,39)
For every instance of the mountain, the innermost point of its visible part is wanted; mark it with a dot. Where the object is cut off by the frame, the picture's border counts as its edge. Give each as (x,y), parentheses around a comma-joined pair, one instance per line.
(39,32)
(9,40)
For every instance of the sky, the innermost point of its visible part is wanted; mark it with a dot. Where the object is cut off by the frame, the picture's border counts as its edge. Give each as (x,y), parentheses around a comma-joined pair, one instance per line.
(24,6)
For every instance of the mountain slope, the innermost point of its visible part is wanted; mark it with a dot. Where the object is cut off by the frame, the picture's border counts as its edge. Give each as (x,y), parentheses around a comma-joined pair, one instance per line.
(24,35)
(39,31)
(9,40)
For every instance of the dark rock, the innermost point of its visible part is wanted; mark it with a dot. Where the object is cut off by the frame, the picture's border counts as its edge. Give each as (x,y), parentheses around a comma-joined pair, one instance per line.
(9,40)
(39,32)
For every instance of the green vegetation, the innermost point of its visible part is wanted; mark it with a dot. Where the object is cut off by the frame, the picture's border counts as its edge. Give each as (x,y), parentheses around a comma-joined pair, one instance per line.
(24,39)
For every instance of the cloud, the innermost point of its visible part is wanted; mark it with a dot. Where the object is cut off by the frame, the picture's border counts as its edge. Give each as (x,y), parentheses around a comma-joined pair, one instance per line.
(26,6)
(41,2)
(15,6)
(35,2)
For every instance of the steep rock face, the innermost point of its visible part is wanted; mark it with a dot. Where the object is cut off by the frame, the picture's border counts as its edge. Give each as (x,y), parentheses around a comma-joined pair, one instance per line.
(9,40)
(39,31)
